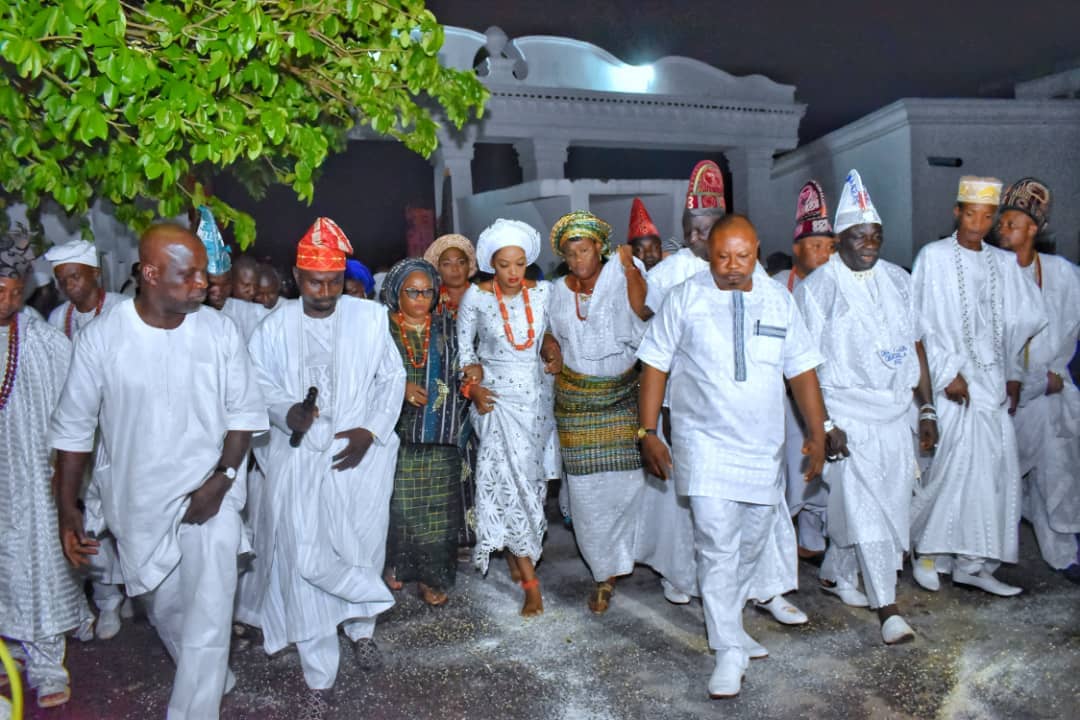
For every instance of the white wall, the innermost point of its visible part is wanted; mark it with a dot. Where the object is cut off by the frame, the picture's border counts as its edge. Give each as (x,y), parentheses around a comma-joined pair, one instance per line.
(1007,139)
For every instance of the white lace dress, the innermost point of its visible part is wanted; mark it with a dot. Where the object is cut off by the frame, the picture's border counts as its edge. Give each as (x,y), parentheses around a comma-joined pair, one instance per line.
(510,479)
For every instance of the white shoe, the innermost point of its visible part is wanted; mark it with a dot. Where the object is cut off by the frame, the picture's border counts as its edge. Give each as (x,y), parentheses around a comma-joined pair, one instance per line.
(895,630)
(784,612)
(108,624)
(673,594)
(230,681)
(925,573)
(850,595)
(726,678)
(127,609)
(986,581)
(753,648)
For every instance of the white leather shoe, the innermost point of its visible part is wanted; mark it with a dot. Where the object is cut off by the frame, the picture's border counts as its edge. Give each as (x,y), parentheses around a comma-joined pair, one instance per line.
(925,573)
(986,581)
(753,648)
(726,678)
(895,630)
(108,624)
(783,611)
(850,595)
(673,594)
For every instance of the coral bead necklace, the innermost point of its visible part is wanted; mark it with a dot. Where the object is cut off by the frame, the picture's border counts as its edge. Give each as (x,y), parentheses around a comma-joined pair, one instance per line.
(506,317)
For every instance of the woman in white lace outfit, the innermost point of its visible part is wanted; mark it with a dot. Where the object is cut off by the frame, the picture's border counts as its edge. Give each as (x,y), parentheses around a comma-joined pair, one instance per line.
(500,327)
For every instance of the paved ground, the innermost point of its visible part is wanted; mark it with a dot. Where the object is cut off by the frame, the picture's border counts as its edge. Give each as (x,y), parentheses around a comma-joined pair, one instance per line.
(976,657)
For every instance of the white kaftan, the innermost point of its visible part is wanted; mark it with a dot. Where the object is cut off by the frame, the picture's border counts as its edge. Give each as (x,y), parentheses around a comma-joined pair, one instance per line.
(976,311)
(864,325)
(510,487)
(1048,426)
(41,597)
(246,315)
(604,505)
(806,500)
(58,317)
(726,354)
(321,533)
(163,413)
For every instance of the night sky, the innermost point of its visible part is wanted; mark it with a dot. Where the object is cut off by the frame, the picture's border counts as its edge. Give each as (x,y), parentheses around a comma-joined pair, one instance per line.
(845,58)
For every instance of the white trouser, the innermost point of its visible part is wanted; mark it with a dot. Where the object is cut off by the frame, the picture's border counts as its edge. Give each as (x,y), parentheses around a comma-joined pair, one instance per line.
(192,612)
(1059,549)
(104,572)
(44,660)
(320,656)
(730,538)
(877,562)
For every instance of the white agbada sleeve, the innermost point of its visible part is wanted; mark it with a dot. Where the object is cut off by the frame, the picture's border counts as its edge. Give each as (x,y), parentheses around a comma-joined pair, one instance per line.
(75,419)
(245,409)
(937,329)
(387,389)
(665,330)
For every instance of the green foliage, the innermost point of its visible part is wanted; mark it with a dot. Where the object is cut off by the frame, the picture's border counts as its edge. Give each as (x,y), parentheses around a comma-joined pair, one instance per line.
(124,99)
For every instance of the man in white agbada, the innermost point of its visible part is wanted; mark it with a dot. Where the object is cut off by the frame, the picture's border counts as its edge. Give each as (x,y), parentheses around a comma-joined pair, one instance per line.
(41,597)
(811,248)
(858,310)
(595,326)
(665,532)
(321,536)
(1047,419)
(176,418)
(976,312)
(727,339)
(75,266)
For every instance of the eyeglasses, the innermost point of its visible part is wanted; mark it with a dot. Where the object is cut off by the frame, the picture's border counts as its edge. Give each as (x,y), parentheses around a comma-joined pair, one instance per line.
(415,294)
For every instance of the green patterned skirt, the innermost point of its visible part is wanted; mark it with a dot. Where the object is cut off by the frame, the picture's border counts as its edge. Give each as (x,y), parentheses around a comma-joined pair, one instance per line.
(597,419)
(426,515)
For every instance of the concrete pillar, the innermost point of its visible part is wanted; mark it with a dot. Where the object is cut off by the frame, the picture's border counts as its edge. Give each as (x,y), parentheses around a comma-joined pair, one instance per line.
(542,158)
(751,174)
(454,155)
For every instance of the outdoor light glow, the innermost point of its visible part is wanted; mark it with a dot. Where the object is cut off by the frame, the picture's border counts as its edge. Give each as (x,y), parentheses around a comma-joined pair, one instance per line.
(632,78)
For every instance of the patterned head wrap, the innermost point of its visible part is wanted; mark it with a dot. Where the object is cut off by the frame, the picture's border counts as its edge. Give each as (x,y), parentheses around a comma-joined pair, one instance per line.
(855,206)
(507,233)
(323,247)
(641,225)
(811,212)
(16,255)
(358,271)
(706,191)
(580,225)
(79,252)
(979,190)
(1031,197)
(395,278)
(217,254)
(444,243)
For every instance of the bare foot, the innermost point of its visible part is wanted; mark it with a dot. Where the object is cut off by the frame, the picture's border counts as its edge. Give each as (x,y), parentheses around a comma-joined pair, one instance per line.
(391,581)
(431,596)
(534,603)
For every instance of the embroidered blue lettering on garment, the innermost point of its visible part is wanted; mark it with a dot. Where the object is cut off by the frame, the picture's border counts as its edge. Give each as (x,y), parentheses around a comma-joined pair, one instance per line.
(737,329)
(769,330)
(894,358)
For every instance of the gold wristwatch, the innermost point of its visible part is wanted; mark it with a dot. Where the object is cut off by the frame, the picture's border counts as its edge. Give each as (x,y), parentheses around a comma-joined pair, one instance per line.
(643,431)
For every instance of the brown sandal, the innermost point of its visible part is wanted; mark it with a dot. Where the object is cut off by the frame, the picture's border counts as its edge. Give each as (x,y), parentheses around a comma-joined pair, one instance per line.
(601,597)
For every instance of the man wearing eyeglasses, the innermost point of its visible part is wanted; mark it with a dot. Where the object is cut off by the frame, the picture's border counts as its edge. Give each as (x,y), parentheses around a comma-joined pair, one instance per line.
(321,541)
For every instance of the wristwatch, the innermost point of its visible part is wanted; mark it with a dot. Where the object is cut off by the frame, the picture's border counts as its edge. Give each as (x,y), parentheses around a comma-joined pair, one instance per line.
(228,472)
(643,431)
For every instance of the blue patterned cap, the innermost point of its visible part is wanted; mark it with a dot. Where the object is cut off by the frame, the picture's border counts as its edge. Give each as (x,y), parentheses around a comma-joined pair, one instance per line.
(219,261)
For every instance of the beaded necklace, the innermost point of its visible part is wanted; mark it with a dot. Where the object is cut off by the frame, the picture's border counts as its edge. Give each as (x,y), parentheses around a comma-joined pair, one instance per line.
(507,330)
(69,315)
(408,346)
(12,365)
(965,318)
(445,303)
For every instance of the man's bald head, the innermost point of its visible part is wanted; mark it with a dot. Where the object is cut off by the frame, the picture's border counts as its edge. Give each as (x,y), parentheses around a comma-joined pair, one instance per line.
(173,266)
(733,251)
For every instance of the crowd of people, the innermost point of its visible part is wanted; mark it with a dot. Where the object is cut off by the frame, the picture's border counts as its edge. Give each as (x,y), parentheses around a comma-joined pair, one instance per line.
(254,466)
